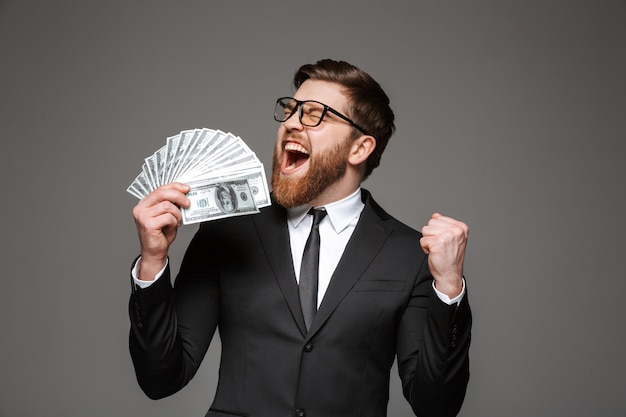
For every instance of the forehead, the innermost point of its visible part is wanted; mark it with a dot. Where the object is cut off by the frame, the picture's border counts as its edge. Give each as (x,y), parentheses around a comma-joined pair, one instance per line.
(327,92)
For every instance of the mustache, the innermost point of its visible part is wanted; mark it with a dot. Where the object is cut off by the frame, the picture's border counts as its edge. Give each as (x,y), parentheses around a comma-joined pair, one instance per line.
(300,138)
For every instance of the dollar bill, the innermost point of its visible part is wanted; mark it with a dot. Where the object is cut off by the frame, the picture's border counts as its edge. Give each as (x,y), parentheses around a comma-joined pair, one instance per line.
(256,180)
(195,152)
(141,185)
(210,201)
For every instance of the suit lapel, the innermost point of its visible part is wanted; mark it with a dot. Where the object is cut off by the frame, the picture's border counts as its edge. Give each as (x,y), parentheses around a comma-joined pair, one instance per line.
(273,233)
(368,238)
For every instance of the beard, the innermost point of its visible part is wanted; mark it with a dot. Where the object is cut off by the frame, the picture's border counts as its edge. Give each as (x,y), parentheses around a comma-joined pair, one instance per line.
(324,170)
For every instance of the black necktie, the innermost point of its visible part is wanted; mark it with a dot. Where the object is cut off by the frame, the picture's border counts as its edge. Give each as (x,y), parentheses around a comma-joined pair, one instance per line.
(309,269)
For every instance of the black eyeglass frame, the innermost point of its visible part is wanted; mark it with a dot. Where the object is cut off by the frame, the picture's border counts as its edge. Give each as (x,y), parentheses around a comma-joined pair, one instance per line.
(299,109)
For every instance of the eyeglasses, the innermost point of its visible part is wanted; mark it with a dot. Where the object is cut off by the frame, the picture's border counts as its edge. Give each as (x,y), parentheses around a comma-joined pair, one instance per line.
(311,112)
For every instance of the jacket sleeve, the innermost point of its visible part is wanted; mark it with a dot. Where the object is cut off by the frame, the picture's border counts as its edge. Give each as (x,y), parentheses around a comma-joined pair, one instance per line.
(172,327)
(433,346)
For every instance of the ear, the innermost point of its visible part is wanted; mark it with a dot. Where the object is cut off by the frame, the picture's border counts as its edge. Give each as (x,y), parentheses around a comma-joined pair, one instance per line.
(361,149)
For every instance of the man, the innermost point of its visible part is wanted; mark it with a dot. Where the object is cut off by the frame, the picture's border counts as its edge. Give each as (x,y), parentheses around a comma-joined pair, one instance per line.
(379,296)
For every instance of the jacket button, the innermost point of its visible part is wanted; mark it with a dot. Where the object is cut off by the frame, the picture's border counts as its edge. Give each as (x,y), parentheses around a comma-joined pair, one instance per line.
(299,412)
(308,347)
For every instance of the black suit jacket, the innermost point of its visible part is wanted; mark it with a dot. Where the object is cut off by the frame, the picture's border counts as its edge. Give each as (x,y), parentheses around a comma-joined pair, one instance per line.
(237,275)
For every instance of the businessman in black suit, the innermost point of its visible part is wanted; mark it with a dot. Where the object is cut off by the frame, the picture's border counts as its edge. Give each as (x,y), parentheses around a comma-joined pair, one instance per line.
(382,290)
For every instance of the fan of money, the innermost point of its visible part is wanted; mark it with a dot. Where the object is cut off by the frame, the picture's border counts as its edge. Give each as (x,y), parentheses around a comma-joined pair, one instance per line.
(226,177)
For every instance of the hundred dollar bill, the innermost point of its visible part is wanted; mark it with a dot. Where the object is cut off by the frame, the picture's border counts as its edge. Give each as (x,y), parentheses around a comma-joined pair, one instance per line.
(193,154)
(255,176)
(216,200)
(170,155)
(181,145)
(140,185)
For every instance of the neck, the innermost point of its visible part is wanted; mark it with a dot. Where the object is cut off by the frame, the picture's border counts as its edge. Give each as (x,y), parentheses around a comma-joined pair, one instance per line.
(341,189)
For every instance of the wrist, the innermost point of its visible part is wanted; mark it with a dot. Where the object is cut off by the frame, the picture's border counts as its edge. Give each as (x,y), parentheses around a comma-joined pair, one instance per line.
(452,288)
(149,267)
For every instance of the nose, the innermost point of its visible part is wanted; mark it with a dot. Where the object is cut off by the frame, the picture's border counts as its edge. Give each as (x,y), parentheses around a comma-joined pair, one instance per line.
(293,123)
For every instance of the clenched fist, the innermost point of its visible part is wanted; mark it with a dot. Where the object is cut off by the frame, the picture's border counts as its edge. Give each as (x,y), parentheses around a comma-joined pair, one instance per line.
(444,240)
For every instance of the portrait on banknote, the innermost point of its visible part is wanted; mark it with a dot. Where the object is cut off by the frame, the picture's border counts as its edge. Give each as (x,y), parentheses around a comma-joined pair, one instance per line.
(225,198)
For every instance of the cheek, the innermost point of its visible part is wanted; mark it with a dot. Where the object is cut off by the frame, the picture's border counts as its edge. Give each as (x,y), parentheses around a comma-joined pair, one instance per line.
(277,142)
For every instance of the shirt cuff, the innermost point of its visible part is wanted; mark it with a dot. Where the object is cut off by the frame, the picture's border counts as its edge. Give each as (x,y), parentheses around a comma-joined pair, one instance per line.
(145,284)
(443,297)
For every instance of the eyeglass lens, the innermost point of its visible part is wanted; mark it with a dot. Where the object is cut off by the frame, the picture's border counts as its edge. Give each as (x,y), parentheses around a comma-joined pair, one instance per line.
(309,112)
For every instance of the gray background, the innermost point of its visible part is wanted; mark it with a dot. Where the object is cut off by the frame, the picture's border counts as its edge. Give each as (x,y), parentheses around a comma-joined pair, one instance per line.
(510,114)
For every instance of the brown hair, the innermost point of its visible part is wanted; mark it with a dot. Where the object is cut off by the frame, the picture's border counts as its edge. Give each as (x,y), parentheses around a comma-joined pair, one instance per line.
(368,107)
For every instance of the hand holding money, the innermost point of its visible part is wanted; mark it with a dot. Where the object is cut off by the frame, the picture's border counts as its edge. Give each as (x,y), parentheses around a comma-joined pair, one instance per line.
(157,217)
(225,176)
(198,175)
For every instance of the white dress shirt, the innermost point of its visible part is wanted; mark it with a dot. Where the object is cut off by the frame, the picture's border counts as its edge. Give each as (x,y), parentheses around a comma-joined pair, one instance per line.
(335,231)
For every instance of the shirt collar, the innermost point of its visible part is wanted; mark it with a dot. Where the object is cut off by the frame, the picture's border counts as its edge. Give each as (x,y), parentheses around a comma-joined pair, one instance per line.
(341,213)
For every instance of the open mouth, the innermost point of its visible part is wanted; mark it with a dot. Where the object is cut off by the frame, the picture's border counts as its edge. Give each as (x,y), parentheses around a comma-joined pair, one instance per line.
(296,155)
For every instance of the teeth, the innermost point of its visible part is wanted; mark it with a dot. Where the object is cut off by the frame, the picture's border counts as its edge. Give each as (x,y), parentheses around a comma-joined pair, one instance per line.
(291,146)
